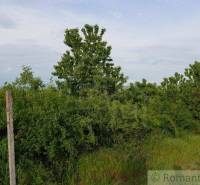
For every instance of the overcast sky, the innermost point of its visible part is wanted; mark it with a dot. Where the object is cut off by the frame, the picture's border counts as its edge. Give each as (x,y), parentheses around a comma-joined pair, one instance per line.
(151,39)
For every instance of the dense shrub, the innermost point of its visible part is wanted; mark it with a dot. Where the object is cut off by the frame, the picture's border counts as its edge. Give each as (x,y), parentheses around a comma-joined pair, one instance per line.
(52,130)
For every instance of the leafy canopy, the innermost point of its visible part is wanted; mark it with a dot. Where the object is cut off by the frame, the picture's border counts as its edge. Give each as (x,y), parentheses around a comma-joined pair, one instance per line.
(27,79)
(88,64)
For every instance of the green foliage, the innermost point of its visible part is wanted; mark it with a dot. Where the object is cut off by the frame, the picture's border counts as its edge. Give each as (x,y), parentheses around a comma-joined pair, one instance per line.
(88,63)
(55,125)
(138,93)
(193,74)
(170,116)
(176,105)
(52,130)
(191,91)
(27,80)
(4,162)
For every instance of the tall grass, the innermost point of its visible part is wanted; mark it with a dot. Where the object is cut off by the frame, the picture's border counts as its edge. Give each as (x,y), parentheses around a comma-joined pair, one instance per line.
(165,153)
(116,166)
(128,164)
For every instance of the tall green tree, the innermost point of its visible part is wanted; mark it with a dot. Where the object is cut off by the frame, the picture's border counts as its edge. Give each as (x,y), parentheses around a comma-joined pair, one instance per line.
(88,64)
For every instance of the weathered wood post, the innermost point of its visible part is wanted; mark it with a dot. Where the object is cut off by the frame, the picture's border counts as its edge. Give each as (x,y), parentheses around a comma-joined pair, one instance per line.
(10,134)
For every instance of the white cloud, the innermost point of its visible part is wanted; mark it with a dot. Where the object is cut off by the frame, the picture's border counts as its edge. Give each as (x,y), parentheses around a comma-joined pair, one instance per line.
(36,38)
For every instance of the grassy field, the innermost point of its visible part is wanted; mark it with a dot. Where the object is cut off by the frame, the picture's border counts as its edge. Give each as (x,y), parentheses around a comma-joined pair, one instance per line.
(174,153)
(128,165)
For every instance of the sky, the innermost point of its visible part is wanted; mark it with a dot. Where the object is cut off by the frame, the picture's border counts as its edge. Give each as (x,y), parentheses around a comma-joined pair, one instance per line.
(151,39)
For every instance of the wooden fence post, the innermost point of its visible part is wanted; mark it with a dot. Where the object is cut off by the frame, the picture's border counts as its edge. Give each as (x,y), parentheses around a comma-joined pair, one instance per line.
(10,135)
